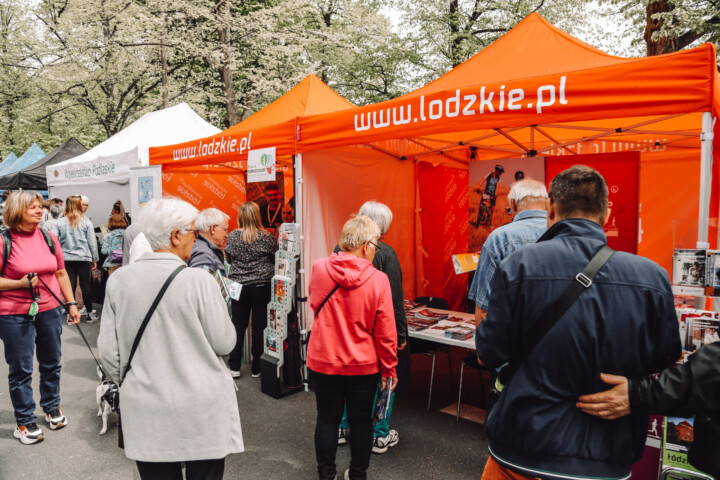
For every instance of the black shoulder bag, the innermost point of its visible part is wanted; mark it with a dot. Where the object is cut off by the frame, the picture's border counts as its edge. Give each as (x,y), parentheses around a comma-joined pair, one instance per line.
(121,440)
(550,317)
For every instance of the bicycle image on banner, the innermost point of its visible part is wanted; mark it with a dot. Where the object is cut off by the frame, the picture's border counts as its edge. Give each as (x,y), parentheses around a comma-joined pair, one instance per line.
(490,182)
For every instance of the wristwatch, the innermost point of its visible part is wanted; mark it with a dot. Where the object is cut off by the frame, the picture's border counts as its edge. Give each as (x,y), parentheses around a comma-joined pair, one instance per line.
(70,304)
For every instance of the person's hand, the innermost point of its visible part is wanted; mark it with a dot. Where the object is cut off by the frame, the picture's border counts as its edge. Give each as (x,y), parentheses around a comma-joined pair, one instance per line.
(74,314)
(402,346)
(610,404)
(94,265)
(24,281)
(385,380)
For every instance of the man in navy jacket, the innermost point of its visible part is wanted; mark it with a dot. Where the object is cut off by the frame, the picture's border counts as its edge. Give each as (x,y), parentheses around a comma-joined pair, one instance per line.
(623,324)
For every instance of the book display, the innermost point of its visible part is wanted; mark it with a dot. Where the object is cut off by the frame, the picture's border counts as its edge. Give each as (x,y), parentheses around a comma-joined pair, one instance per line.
(281,357)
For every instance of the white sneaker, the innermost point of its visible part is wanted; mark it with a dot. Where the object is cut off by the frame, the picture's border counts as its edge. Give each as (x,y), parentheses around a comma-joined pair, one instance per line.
(56,419)
(83,311)
(235,373)
(342,436)
(28,434)
(92,317)
(381,444)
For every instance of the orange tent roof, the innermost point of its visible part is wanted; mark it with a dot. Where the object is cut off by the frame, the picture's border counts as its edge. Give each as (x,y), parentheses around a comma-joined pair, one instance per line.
(536,74)
(553,51)
(273,126)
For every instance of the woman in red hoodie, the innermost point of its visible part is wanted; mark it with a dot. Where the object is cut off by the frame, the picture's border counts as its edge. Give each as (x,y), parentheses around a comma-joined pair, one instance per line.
(353,339)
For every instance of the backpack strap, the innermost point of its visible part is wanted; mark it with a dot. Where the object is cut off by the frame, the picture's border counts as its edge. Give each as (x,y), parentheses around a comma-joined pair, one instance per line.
(48,239)
(7,247)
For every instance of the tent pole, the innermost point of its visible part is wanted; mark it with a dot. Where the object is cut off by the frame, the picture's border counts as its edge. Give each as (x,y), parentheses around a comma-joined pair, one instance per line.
(705,176)
(301,288)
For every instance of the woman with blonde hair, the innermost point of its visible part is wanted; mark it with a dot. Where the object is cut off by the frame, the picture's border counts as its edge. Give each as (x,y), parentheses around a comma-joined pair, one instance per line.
(32,279)
(250,250)
(77,239)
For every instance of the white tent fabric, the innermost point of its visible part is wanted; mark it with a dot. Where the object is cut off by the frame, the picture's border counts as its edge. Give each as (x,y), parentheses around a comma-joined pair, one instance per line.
(172,125)
(103,173)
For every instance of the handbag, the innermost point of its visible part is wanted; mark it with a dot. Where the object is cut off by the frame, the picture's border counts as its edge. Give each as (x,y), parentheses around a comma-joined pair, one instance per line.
(141,330)
(548,319)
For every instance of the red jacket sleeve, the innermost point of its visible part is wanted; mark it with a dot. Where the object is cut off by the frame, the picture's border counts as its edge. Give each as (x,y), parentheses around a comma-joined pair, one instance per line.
(385,333)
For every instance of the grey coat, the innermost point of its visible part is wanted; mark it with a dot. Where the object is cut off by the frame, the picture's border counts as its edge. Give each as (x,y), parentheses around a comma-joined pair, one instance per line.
(178,400)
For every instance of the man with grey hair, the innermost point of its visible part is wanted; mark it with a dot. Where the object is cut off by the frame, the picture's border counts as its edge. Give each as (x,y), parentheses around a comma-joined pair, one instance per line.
(528,201)
(207,252)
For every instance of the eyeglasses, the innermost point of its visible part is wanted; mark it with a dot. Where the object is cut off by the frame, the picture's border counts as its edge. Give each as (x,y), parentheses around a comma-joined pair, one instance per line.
(224,229)
(195,232)
(377,247)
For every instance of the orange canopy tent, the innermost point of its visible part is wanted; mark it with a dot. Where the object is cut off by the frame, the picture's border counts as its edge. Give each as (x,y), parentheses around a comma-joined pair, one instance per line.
(185,166)
(536,91)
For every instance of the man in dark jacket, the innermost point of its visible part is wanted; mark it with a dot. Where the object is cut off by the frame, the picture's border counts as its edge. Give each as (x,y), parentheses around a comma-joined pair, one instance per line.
(207,253)
(686,390)
(623,323)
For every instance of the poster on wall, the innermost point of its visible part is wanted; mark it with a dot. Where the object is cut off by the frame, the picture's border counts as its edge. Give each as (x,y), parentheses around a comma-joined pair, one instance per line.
(490,182)
(622,174)
(270,197)
(261,165)
(145,184)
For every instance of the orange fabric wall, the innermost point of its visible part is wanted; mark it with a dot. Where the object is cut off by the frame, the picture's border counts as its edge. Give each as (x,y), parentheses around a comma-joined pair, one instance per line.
(222,191)
(444,214)
(669,197)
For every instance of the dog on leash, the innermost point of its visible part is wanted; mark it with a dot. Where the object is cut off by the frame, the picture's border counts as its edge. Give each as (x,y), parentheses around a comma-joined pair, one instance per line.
(106,396)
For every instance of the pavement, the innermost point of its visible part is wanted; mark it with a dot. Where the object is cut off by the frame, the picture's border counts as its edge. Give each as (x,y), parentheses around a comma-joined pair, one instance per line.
(278,434)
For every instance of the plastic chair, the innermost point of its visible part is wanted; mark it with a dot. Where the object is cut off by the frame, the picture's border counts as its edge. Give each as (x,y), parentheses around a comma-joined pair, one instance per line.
(431,349)
(471,361)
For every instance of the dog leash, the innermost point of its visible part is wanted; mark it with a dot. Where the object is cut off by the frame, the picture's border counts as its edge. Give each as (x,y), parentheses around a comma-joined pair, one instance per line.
(105,376)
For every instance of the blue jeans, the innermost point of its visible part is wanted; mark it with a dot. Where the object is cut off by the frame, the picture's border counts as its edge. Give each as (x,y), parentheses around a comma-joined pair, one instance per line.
(20,334)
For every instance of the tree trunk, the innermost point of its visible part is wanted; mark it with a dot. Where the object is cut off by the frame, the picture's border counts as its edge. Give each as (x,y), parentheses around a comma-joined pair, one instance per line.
(232,116)
(163,59)
(110,122)
(663,44)
(455,38)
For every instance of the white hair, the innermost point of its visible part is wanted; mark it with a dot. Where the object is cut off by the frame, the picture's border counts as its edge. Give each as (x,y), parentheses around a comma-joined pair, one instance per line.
(210,217)
(378,213)
(160,216)
(526,191)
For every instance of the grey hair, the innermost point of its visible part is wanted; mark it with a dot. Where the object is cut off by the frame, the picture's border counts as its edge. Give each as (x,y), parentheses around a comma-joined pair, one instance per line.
(210,217)
(357,231)
(56,210)
(378,213)
(160,216)
(527,191)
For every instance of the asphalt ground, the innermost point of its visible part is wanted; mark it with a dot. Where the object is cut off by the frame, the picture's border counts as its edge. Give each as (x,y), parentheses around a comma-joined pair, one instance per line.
(278,434)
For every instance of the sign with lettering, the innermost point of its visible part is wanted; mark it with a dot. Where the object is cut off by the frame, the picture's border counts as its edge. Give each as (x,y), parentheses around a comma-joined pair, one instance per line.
(112,168)
(261,165)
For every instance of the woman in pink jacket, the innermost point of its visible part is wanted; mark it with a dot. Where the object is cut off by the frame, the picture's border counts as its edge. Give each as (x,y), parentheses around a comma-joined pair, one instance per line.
(353,339)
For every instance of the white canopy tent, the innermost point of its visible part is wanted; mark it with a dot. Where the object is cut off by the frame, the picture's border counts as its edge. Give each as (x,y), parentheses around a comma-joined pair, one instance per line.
(103,173)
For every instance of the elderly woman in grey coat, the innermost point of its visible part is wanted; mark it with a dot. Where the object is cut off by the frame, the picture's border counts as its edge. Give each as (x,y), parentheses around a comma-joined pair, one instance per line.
(178,400)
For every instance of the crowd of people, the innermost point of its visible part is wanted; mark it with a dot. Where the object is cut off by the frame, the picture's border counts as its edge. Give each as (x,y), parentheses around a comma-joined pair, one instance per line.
(553,418)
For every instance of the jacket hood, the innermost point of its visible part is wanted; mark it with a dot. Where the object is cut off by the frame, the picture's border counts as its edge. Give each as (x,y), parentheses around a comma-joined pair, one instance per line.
(348,270)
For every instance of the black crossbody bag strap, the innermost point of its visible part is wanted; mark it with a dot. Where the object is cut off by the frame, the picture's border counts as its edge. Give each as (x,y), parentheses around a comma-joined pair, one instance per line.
(147,319)
(582,282)
(322,304)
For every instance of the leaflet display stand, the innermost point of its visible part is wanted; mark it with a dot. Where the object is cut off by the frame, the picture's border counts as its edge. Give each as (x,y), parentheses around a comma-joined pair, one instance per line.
(696,282)
(280,363)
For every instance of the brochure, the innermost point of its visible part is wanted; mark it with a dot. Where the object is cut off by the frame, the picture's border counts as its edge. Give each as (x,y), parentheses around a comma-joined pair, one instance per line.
(689,267)
(230,289)
(383,403)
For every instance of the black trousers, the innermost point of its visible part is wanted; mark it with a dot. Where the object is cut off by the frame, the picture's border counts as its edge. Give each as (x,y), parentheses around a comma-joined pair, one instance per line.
(253,299)
(332,393)
(79,271)
(195,470)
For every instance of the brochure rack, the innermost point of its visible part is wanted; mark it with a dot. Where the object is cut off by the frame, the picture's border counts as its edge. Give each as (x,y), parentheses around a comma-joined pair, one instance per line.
(280,363)
(695,277)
